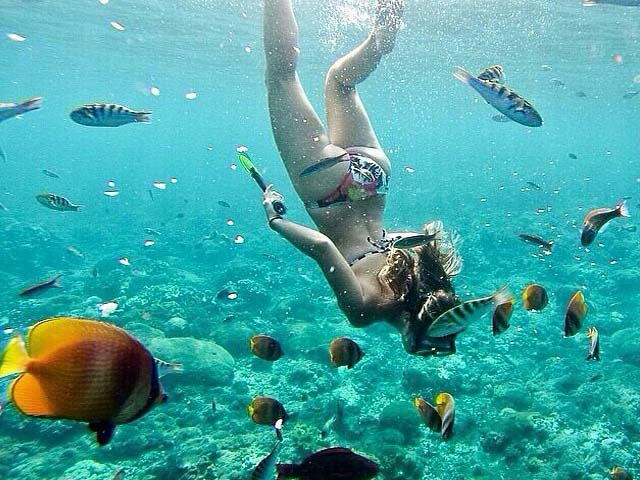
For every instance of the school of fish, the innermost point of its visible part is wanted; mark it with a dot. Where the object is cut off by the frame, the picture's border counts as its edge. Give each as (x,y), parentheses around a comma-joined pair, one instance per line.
(92,371)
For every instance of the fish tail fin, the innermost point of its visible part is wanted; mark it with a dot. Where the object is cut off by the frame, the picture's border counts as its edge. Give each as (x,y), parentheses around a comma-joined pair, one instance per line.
(622,208)
(462,75)
(56,281)
(77,207)
(142,117)
(502,296)
(31,104)
(14,357)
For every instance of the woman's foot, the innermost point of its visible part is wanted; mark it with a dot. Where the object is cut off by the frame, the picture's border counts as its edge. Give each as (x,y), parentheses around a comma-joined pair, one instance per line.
(388,22)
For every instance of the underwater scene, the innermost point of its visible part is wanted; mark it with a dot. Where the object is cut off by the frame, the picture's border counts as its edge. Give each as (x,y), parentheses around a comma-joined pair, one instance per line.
(155,324)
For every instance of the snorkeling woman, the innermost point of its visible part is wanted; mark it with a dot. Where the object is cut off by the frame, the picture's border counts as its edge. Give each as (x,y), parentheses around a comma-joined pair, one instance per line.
(342,176)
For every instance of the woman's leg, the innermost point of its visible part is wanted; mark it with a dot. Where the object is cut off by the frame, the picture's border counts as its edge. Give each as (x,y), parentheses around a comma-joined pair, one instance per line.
(347,118)
(297,130)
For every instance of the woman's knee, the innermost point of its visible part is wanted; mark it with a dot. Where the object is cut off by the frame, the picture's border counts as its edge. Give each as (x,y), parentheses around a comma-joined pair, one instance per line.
(335,84)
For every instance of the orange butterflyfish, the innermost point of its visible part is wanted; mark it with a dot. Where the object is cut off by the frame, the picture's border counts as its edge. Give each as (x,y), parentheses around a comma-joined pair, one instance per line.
(84,370)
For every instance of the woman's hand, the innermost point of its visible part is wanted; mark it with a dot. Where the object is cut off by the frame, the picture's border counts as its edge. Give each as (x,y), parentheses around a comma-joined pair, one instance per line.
(273,203)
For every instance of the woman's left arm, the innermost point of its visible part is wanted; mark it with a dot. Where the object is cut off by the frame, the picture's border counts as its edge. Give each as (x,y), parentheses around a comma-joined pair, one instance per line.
(344,283)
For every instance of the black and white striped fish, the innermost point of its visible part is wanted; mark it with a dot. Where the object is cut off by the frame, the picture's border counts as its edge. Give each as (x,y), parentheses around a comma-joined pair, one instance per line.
(502,98)
(594,344)
(107,115)
(456,319)
(495,73)
(57,202)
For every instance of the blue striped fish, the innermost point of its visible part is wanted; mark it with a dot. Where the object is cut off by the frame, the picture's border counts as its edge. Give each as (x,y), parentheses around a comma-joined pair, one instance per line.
(107,115)
(456,319)
(502,98)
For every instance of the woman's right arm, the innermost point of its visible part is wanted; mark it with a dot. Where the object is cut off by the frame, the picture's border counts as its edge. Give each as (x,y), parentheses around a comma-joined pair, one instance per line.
(319,247)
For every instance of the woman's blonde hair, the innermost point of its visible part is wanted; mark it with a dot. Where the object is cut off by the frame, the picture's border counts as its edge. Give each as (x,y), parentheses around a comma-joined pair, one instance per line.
(423,269)
(398,272)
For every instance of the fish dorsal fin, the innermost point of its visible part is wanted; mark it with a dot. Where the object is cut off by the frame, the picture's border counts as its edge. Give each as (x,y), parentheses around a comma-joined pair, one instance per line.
(494,73)
(50,334)
(332,451)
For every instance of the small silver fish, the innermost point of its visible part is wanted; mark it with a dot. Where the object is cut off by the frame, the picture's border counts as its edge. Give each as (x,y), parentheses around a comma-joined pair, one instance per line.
(502,98)
(596,218)
(3,207)
(118,475)
(49,173)
(3,155)
(534,185)
(557,82)
(594,344)
(74,251)
(546,245)
(456,319)
(266,469)
(335,420)
(621,3)
(56,202)
(494,73)
(413,241)
(9,110)
(107,115)
(40,286)
(630,94)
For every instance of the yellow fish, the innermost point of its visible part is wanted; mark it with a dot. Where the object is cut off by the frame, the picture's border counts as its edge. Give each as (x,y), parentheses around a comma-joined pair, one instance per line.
(84,370)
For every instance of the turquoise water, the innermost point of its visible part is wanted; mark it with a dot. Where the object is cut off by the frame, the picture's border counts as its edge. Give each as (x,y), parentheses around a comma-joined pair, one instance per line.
(527,402)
